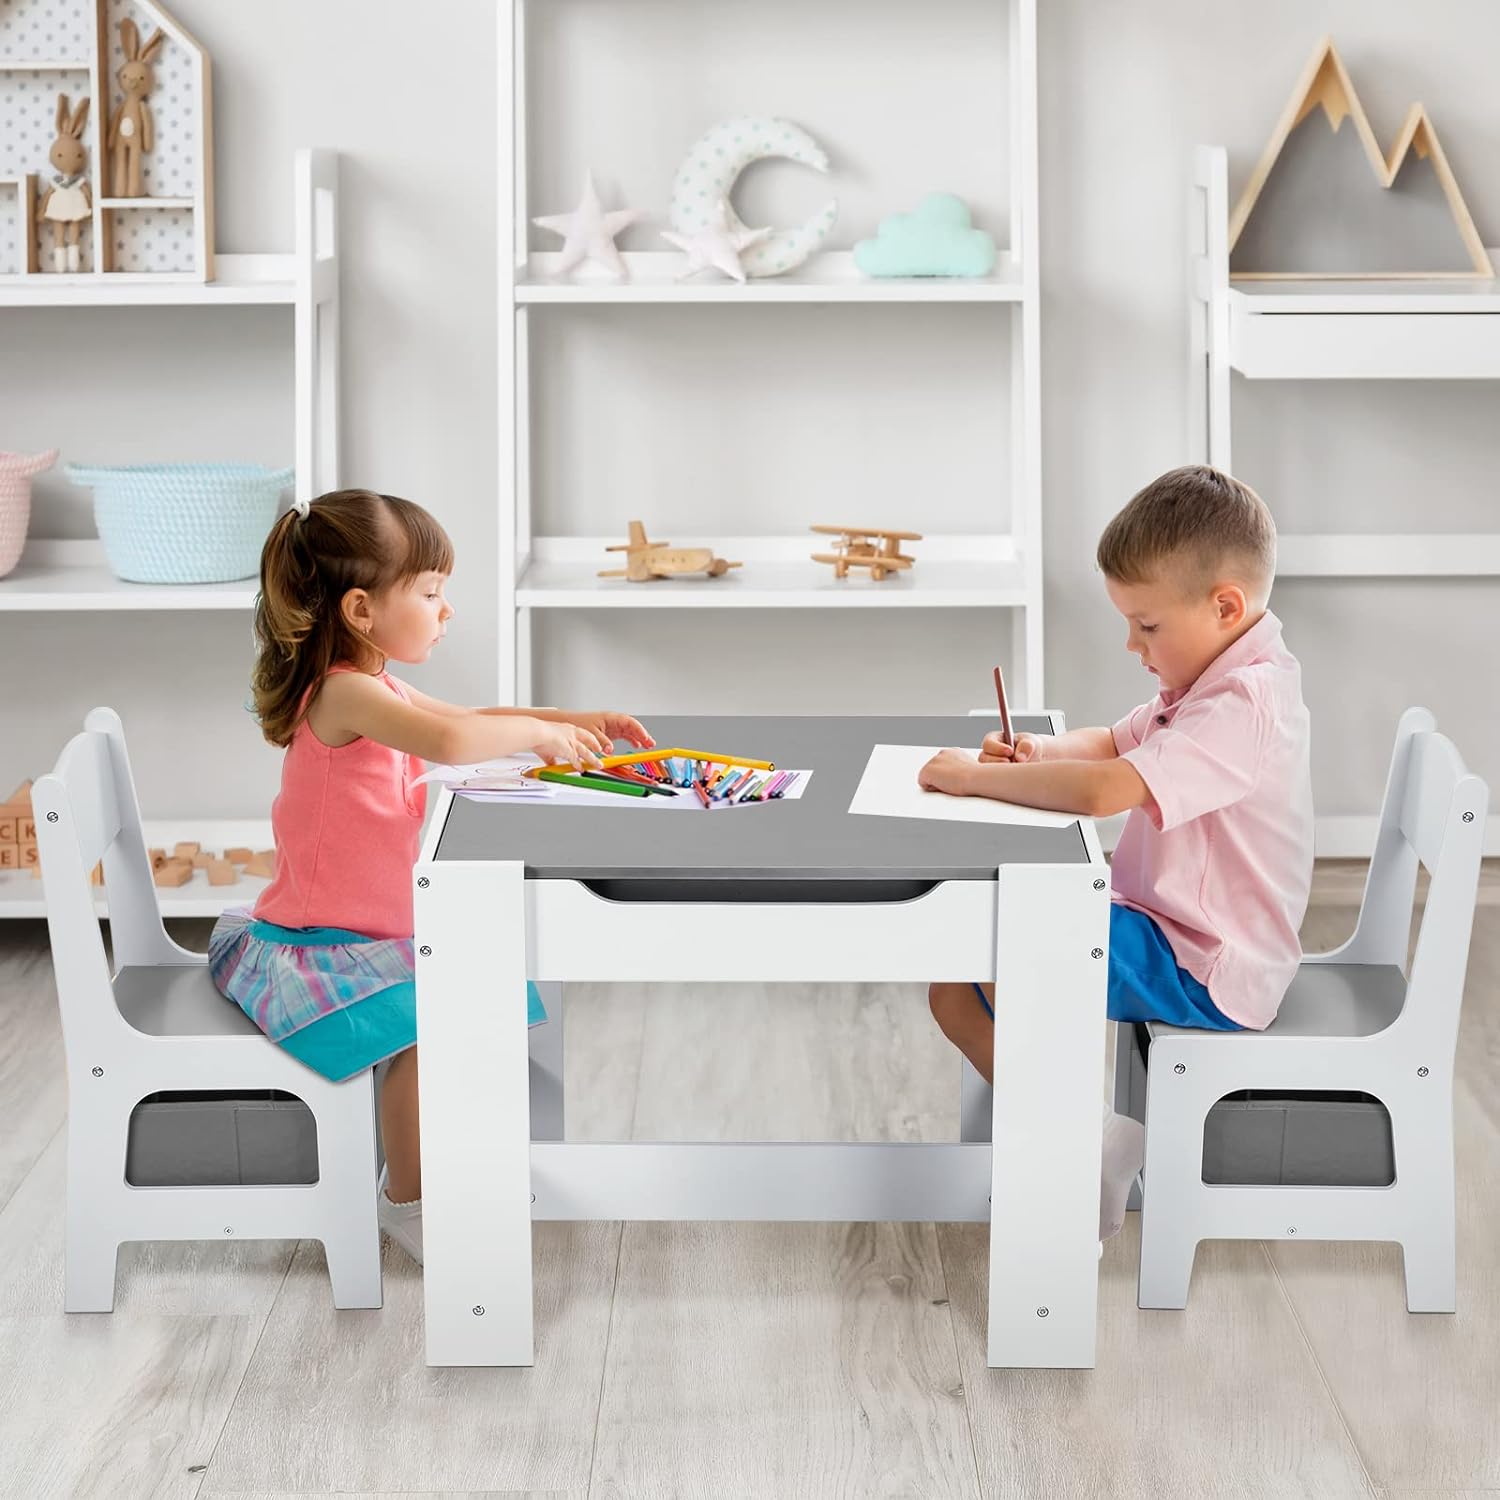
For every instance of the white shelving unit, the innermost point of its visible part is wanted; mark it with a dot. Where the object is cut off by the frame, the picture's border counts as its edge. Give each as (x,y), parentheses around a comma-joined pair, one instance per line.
(1001,570)
(1331,330)
(72,575)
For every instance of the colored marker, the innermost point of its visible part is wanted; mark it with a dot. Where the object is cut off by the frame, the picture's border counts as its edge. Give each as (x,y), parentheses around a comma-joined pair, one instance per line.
(772,785)
(786,785)
(702,795)
(749,793)
(590,783)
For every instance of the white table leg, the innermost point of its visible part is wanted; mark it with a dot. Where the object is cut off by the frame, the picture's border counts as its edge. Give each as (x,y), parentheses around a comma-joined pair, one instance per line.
(1052,936)
(475,1110)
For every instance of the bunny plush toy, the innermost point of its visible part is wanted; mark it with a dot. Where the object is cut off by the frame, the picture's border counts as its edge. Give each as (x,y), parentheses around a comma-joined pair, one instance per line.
(131,130)
(67,203)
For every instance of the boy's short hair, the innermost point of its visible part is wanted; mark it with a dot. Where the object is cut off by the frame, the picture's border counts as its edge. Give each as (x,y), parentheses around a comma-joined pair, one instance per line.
(1198,524)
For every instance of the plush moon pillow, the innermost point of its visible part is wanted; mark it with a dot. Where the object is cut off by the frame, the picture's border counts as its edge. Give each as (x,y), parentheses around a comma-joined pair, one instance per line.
(937,239)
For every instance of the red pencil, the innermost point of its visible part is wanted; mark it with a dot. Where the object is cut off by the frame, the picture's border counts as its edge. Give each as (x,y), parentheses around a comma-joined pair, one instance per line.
(1005,732)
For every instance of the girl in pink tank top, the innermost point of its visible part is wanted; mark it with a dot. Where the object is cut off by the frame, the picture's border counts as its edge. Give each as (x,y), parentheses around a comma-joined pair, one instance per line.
(323,964)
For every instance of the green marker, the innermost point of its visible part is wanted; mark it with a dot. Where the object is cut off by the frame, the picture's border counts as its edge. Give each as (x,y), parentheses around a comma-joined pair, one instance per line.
(591,783)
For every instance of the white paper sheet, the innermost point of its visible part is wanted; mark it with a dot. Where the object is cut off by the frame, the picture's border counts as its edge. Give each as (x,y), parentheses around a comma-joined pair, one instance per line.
(889,789)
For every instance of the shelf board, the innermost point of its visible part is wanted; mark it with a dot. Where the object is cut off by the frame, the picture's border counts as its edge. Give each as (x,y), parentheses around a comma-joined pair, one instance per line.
(778,573)
(241,280)
(73,575)
(1446,329)
(41,65)
(128,203)
(21,895)
(830,277)
(1433,555)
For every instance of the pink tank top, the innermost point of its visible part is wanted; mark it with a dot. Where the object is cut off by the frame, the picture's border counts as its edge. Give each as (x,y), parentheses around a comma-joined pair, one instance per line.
(348,827)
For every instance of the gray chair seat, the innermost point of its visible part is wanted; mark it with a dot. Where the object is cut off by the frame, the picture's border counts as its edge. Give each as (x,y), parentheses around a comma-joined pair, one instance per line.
(1330,1000)
(178,1000)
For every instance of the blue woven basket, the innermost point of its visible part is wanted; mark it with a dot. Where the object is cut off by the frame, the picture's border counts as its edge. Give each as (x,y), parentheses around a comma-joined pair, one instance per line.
(183,523)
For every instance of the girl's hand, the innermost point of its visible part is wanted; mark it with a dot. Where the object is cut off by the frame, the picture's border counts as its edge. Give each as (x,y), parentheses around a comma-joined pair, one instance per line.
(994,748)
(947,771)
(609,727)
(567,745)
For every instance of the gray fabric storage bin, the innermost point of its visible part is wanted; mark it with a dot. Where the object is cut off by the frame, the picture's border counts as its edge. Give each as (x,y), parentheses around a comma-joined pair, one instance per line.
(221,1140)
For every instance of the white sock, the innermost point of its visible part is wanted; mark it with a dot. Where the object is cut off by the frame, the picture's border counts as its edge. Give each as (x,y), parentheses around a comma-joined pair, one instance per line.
(1123,1157)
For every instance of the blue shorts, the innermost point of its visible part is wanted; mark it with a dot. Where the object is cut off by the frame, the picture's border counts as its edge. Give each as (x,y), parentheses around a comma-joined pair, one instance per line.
(1146,983)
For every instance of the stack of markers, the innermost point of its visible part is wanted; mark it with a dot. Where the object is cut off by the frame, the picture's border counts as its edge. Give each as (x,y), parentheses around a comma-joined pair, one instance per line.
(716,780)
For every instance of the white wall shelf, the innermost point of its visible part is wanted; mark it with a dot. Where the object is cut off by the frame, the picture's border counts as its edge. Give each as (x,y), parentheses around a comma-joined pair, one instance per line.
(73,575)
(21,894)
(558,573)
(830,277)
(956,572)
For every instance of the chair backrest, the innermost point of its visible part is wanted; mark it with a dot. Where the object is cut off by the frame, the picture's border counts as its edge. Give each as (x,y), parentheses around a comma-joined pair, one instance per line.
(86,811)
(1433,815)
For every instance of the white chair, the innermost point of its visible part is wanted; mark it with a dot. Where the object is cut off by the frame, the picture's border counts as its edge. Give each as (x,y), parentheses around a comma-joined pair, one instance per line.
(160,1024)
(1351,1021)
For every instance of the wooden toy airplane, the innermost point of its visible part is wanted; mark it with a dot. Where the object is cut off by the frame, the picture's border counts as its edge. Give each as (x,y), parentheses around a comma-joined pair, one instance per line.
(646,560)
(866,547)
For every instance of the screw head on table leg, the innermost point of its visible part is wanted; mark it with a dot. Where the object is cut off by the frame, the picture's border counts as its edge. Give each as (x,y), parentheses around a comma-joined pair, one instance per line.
(1096,953)
(1098,885)
(1180,1068)
(425,951)
(1041,1312)
(423,882)
(1421,1072)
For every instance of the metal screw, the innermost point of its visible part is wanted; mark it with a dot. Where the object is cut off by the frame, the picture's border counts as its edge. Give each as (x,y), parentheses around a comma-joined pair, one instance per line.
(1098,885)
(1096,952)
(479,1312)
(228,1229)
(1180,1068)
(533,1197)
(98,1072)
(1291,1229)
(1041,1312)
(423,882)
(425,951)
(1468,817)
(1421,1072)
(52,817)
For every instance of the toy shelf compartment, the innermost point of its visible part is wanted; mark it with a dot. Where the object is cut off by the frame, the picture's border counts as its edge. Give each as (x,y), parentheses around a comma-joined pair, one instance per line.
(954,572)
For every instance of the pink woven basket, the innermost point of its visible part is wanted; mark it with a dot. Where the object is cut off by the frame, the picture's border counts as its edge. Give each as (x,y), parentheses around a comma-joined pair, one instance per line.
(16,470)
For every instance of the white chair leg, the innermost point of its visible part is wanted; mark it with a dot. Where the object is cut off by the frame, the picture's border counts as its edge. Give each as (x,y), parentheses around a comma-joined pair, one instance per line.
(97,1134)
(1174,1184)
(1423,1140)
(89,1257)
(346,1179)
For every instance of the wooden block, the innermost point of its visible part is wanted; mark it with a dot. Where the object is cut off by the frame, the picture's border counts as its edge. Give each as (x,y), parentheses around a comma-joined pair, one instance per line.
(175,872)
(186,850)
(239,856)
(29,857)
(221,872)
(202,861)
(27,831)
(96,875)
(262,864)
(10,856)
(20,798)
(10,827)
(36,872)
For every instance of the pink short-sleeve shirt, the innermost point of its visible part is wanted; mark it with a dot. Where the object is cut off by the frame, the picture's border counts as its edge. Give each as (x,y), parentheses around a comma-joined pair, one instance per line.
(1220,855)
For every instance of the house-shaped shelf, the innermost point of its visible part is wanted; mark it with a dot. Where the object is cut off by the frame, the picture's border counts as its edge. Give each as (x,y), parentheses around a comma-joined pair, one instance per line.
(78,49)
(1386,217)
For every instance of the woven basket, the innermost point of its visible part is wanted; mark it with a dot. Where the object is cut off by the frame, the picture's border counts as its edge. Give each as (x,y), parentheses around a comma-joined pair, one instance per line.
(16,470)
(183,523)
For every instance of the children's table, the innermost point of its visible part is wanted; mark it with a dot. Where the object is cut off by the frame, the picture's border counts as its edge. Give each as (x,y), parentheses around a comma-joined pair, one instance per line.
(796,892)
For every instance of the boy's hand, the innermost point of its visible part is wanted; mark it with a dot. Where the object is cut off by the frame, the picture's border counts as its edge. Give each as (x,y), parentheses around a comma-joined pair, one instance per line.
(994,748)
(948,771)
(609,727)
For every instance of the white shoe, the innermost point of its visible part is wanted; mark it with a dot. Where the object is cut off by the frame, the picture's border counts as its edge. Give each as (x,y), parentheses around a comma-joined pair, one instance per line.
(59,260)
(74,258)
(401,1222)
(1124,1156)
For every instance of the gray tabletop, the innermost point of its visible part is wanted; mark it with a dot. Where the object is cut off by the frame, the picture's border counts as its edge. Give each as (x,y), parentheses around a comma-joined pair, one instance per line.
(812,839)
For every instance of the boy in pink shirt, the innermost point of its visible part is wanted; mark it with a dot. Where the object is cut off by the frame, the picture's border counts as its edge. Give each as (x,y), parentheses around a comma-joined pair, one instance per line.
(1210,878)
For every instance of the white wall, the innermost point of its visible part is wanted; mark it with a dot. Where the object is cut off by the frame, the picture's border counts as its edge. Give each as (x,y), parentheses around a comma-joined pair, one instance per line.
(905,98)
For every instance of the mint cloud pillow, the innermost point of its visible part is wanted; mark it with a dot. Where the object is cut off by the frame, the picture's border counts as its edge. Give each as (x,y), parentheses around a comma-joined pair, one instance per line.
(937,239)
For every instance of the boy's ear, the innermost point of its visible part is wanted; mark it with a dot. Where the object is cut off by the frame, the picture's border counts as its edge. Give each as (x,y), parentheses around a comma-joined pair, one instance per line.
(1230,604)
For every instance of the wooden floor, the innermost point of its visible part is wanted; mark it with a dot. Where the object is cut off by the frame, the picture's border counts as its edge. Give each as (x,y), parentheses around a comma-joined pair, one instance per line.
(741,1360)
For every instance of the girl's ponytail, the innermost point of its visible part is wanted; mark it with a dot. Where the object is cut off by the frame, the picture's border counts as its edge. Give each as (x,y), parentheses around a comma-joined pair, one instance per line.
(348,539)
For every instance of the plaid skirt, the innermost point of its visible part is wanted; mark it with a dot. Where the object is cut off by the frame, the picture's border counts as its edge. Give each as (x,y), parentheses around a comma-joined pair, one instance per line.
(338,1001)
